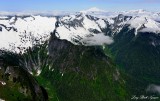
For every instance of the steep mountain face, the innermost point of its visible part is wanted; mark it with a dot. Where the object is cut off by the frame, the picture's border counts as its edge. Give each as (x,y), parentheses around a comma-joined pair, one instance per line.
(138,55)
(141,52)
(135,47)
(136,44)
(77,72)
(16,84)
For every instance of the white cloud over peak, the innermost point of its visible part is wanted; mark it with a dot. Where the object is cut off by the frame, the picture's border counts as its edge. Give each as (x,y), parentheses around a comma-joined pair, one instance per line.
(97,39)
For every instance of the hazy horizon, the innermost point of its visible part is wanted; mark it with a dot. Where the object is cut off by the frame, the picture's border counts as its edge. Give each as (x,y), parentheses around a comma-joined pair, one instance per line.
(72,5)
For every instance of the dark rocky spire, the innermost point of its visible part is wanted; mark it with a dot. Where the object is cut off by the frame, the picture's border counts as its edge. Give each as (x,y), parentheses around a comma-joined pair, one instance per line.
(53,34)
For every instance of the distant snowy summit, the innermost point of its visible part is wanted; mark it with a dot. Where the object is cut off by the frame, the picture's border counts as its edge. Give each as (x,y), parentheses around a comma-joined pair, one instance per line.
(88,27)
(92,10)
(105,13)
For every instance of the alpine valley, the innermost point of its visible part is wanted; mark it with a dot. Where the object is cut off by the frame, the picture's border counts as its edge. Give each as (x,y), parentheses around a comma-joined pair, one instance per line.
(90,55)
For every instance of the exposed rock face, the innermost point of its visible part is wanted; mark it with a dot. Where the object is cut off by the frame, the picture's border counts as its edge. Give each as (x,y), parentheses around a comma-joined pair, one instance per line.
(16,84)
(68,72)
(77,69)
(65,50)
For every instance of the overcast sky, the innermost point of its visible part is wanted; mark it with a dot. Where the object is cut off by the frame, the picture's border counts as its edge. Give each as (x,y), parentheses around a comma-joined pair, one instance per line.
(76,5)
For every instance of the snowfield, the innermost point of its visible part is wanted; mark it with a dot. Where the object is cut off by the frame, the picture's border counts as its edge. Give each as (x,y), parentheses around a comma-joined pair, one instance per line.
(17,33)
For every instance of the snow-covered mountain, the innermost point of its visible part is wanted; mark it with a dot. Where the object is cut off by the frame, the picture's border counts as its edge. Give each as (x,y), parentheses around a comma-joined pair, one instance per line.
(20,32)
(85,25)
(83,28)
(93,10)
(99,12)
(88,27)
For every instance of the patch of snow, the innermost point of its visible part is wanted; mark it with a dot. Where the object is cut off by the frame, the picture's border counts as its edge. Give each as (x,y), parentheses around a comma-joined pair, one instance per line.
(153,88)
(1,99)
(8,71)
(137,21)
(39,72)
(149,24)
(103,47)
(110,20)
(101,23)
(153,44)
(3,83)
(116,75)
(88,24)
(30,72)
(49,67)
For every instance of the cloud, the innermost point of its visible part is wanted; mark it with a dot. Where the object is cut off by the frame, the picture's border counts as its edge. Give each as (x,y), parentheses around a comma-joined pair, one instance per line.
(45,13)
(153,88)
(97,39)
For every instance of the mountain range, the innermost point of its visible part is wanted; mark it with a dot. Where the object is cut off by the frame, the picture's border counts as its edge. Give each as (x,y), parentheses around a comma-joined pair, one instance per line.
(80,26)
(84,42)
